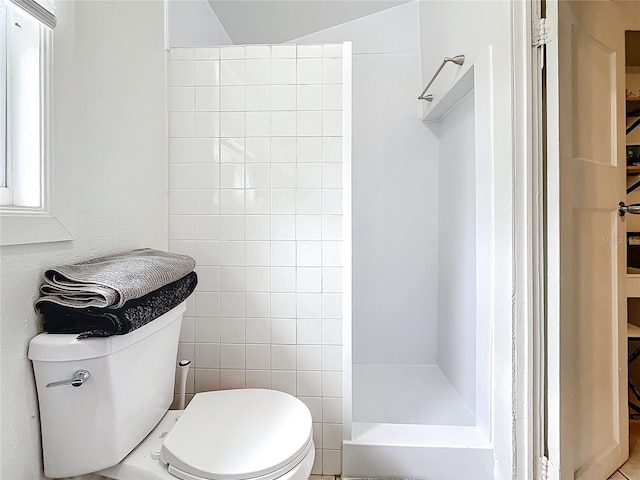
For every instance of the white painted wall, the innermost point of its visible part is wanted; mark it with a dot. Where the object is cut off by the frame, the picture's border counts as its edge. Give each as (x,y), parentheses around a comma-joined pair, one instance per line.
(395,192)
(110,172)
(193,23)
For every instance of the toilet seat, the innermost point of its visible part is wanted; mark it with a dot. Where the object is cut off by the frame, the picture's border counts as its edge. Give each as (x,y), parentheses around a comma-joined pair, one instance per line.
(238,435)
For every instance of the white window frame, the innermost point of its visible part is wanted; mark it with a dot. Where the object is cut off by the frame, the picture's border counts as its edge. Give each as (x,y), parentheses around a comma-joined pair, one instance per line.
(26,225)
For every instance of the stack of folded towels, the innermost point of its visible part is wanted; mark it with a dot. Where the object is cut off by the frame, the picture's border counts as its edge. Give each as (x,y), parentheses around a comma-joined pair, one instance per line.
(116,294)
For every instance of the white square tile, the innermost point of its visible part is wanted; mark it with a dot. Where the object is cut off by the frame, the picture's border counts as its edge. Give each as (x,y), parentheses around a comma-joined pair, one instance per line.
(232,331)
(310,149)
(207,124)
(230,379)
(232,356)
(207,99)
(258,124)
(182,247)
(332,305)
(208,278)
(332,96)
(332,123)
(283,201)
(331,149)
(283,330)
(332,227)
(332,384)
(283,71)
(258,330)
(187,330)
(283,123)
(283,254)
(258,201)
(332,254)
(182,124)
(331,436)
(332,357)
(258,227)
(258,51)
(180,202)
(309,254)
(232,98)
(232,72)
(181,227)
(232,253)
(231,175)
(283,97)
(332,175)
(232,304)
(309,280)
(232,279)
(331,202)
(258,150)
(332,50)
(208,329)
(283,357)
(283,305)
(316,428)
(206,379)
(309,384)
(309,51)
(258,357)
(206,227)
(309,70)
(206,201)
(314,404)
(283,51)
(284,381)
(207,150)
(308,201)
(232,124)
(283,150)
(258,98)
(332,70)
(332,410)
(206,355)
(283,279)
(316,469)
(231,202)
(207,53)
(232,51)
(283,227)
(232,150)
(181,54)
(258,279)
(283,175)
(181,150)
(207,72)
(258,175)
(258,72)
(186,351)
(309,305)
(308,227)
(332,279)
(309,97)
(206,175)
(181,175)
(258,254)
(309,357)
(181,74)
(309,331)
(182,99)
(309,124)
(207,253)
(232,227)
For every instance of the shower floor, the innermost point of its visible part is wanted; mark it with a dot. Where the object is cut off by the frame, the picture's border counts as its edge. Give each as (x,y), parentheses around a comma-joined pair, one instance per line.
(407,394)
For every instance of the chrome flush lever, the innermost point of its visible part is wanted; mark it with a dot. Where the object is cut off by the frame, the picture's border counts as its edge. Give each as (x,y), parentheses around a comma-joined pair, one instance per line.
(78,379)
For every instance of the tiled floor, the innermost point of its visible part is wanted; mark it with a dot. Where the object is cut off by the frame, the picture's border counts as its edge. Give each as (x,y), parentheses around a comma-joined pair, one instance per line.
(631,469)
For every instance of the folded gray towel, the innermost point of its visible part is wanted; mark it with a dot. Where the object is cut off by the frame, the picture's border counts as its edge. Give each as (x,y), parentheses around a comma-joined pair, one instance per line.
(110,281)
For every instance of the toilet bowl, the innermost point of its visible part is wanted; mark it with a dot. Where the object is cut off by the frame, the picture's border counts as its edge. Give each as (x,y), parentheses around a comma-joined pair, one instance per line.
(104,408)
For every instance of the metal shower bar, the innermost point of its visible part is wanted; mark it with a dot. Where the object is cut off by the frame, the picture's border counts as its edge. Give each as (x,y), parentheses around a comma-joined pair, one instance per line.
(458,60)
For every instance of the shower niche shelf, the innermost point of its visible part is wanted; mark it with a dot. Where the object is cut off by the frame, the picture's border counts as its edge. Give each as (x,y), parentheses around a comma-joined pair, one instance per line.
(442,104)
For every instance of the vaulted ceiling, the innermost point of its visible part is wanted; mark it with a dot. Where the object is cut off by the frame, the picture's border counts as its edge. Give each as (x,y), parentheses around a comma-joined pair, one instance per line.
(278,21)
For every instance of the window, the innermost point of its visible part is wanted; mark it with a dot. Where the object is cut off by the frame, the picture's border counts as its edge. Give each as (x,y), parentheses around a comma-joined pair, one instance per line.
(26,37)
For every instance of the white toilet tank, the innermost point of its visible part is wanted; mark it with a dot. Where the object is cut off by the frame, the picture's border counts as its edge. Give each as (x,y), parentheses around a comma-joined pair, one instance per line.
(130,387)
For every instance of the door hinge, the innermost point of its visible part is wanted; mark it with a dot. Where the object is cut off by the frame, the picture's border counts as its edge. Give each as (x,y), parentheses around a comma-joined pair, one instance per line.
(540,34)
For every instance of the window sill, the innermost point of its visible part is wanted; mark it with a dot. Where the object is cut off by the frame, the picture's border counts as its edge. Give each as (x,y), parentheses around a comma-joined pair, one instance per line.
(21,226)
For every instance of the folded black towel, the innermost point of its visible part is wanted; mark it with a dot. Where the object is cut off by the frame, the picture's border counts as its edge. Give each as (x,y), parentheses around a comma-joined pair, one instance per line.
(104,322)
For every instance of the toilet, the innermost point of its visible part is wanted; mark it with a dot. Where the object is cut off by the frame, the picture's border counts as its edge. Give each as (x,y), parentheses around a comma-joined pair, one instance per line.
(104,409)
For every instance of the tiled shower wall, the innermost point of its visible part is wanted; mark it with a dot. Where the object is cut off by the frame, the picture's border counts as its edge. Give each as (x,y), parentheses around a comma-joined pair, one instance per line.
(255,196)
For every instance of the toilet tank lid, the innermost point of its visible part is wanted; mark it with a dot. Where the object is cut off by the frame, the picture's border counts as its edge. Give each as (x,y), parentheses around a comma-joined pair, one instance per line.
(56,347)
